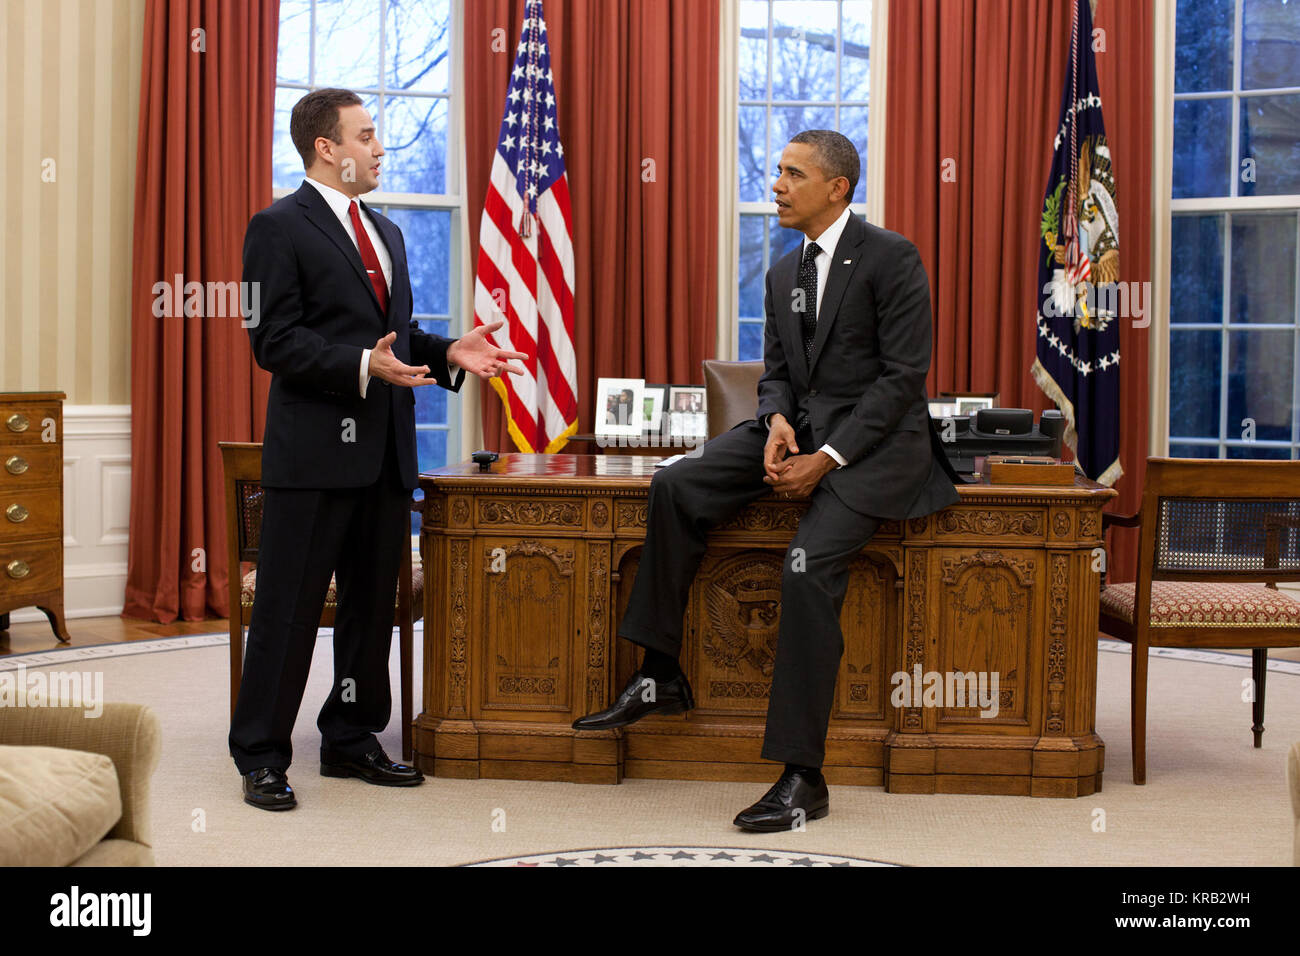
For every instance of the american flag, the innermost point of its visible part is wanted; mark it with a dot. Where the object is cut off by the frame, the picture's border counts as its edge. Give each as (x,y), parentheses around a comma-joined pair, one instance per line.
(525,258)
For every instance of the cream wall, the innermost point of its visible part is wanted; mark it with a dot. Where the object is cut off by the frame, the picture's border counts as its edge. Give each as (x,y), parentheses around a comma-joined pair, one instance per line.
(69,92)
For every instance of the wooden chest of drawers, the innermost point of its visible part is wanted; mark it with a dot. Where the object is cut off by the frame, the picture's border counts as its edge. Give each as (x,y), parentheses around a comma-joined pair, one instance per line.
(31,505)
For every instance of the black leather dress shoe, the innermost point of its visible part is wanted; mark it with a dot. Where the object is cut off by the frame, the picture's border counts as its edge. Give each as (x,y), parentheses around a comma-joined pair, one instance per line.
(374,767)
(793,799)
(666,697)
(268,788)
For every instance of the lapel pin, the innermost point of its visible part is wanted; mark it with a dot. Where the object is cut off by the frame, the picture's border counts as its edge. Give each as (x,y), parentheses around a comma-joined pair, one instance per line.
(848,262)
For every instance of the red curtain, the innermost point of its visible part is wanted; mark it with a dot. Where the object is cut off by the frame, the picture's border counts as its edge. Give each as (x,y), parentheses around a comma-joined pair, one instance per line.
(206,111)
(635,80)
(974,92)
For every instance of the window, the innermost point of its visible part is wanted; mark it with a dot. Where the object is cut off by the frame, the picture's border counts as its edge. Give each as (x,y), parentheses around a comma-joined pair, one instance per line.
(397,56)
(1234,342)
(804,64)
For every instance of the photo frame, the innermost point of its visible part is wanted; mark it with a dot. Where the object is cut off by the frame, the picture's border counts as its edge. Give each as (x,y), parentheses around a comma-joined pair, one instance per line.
(656,398)
(620,406)
(687,411)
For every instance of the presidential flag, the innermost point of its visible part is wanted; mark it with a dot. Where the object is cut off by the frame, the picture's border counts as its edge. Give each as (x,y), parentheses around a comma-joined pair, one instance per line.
(1080,296)
(525,258)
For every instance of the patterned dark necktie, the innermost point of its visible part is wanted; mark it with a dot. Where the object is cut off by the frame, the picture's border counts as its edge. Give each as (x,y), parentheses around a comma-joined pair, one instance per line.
(808,283)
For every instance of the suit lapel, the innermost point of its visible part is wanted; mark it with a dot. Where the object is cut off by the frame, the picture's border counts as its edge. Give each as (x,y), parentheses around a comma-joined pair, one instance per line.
(784,281)
(843,261)
(320,215)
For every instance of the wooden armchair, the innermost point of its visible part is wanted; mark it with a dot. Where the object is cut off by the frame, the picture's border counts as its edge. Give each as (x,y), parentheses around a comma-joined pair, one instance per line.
(1216,537)
(242,462)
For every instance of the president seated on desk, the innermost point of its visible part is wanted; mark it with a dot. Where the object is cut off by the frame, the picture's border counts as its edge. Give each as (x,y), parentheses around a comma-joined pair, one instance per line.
(843,420)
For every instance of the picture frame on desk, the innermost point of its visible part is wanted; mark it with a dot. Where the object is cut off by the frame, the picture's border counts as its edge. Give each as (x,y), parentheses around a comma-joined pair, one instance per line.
(656,398)
(688,411)
(620,406)
(968,402)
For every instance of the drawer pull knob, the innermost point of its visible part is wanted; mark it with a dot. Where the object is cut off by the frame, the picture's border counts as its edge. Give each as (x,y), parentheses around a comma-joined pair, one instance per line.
(16,513)
(17,569)
(15,464)
(17,422)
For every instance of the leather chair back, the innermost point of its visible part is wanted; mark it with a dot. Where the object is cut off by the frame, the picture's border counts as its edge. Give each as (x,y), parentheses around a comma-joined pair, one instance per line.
(731,390)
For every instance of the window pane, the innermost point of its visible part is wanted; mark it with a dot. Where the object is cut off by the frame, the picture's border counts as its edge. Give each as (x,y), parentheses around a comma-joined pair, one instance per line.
(347,43)
(751,267)
(1270,44)
(803,49)
(1194,383)
(753,49)
(1189,450)
(1263,268)
(294,45)
(1259,451)
(1196,269)
(781,241)
(1261,382)
(788,120)
(417,45)
(1202,143)
(853,124)
(1270,134)
(415,139)
(431,400)
(855,61)
(286,164)
(428,256)
(751,341)
(756,176)
(1203,46)
(431,444)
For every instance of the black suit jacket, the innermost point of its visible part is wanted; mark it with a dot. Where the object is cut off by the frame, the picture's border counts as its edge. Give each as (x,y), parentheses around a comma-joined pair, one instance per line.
(864,390)
(318,312)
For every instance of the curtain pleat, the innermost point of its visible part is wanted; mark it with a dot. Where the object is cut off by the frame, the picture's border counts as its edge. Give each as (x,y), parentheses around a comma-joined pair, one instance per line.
(203,169)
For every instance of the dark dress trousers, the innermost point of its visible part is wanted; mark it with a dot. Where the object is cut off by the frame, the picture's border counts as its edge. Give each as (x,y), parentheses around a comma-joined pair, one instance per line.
(863,393)
(337,470)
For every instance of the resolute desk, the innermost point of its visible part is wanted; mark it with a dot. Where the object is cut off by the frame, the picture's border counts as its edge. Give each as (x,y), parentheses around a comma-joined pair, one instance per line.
(528,567)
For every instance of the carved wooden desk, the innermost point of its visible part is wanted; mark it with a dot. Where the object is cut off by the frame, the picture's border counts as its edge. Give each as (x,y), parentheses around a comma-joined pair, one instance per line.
(528,568)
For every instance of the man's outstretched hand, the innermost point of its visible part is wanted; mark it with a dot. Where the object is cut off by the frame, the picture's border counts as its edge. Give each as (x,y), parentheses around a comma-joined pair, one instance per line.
(384,364)
(474,353)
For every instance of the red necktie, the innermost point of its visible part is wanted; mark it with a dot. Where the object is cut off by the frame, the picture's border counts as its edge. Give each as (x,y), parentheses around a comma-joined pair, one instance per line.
(368,257)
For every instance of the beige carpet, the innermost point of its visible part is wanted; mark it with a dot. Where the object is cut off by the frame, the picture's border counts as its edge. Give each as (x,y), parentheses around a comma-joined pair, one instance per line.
(1211,798)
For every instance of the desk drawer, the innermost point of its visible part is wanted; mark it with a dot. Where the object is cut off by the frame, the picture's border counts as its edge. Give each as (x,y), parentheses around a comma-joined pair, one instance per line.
(22,421)
(29,568)
(30,513)
(25,466)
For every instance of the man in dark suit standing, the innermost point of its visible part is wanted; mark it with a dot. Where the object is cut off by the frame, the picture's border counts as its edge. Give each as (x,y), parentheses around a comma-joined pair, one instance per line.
(338,456)
(842,419)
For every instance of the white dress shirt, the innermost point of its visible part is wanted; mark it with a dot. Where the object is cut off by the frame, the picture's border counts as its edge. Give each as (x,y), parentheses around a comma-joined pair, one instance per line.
(338,203)
(826,242)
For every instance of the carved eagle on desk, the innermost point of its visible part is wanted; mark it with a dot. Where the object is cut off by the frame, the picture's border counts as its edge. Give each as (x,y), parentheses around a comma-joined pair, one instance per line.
(743,626)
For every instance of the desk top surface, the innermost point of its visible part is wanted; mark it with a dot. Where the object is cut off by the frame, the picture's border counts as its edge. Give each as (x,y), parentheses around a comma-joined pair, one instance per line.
(637,470)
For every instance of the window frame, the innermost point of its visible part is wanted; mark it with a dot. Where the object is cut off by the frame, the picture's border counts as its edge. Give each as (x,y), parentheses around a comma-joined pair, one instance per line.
(731,207)
(1227,206)
(451,201)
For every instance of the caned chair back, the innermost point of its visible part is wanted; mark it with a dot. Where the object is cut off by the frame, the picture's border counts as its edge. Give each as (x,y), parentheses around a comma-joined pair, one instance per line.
(1208,519)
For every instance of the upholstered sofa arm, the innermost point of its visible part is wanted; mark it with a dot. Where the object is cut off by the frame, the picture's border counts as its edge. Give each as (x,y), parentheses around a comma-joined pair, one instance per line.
(128,734)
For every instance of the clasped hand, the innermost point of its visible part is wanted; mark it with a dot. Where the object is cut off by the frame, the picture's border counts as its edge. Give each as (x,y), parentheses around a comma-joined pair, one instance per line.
(796,475)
